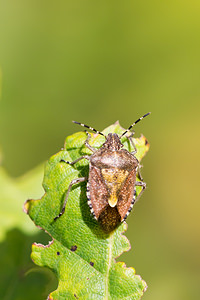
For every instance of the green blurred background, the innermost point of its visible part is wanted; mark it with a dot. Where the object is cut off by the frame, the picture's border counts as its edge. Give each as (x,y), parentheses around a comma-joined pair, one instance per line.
(98,62)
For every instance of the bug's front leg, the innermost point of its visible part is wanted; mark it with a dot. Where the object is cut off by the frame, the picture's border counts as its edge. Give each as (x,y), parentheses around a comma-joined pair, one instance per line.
(130,138)
(74,181)
(87,142)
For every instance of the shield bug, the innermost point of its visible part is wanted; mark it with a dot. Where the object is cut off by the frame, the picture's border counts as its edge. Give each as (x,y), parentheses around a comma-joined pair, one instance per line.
(111,186)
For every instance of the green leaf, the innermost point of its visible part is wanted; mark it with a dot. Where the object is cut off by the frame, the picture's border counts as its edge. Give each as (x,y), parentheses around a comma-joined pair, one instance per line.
(19,278)
(13,192)
(81,254)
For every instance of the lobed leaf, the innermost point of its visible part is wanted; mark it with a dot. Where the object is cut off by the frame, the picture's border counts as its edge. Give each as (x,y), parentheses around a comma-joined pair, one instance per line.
(81,254)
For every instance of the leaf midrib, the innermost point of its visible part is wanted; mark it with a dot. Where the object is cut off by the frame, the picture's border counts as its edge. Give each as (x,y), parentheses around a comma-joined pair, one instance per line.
(110,247)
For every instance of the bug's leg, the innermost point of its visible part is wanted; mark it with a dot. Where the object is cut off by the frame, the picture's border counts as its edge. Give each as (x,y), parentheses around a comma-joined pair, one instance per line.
(87,142)
(76,160)
(74,181)
(138,173)
(143,185)
(130,138)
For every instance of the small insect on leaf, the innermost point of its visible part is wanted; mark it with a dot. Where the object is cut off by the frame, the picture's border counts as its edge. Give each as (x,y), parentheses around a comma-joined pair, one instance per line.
(112,179)
(84,247)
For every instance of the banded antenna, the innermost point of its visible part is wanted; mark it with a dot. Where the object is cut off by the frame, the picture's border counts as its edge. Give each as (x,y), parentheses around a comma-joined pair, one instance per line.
(86,126)
(130,127)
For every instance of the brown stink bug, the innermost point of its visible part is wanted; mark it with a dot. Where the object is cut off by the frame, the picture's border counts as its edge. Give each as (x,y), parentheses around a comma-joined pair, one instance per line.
(111,186)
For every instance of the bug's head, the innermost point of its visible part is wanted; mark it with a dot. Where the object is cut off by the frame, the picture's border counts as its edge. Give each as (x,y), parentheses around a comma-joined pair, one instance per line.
(112,142)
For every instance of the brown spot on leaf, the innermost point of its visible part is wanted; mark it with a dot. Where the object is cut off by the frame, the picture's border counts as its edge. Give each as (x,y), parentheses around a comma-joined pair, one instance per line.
(58,253)
(73,248)
(91,264)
